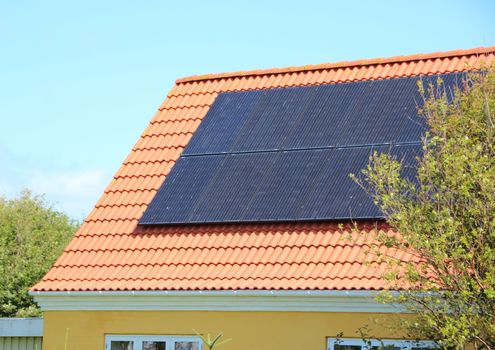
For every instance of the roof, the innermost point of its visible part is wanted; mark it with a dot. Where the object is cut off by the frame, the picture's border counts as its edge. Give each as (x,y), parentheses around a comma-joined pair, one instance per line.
(111,252)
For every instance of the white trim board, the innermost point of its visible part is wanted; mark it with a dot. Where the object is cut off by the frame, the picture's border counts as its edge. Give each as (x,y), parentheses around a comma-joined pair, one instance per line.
(245,300)
(366,344)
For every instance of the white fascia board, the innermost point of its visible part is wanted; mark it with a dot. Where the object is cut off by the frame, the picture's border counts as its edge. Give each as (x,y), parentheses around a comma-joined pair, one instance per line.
(21,327)
(245,300)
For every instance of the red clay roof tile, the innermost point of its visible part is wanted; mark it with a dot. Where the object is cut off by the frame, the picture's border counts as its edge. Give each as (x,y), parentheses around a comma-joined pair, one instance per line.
(111,252)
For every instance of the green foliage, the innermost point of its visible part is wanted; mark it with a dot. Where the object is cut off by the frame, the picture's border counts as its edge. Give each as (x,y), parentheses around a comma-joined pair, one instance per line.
(212,342)
(32,236)
(447,216)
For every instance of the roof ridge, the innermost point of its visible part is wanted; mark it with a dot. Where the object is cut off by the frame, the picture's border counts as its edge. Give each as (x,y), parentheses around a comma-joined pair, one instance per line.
(341,64)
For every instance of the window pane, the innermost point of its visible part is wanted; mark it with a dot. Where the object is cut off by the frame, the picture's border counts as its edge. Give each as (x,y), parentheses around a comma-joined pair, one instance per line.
(121,345)
(387,347)
(346,347)
(186,345)
(153,345)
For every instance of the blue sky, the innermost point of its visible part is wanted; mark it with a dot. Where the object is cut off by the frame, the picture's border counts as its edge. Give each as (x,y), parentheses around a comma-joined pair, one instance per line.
(79,81)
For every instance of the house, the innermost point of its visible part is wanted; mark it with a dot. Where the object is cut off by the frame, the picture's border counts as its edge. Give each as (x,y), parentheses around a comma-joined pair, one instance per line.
(230,213)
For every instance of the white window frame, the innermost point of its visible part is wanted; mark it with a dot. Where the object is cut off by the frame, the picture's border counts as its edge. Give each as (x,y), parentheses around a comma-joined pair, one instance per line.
(139,339)
(400,343)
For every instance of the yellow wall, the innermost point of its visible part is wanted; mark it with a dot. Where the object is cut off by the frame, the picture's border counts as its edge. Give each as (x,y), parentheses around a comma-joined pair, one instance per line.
(249,330)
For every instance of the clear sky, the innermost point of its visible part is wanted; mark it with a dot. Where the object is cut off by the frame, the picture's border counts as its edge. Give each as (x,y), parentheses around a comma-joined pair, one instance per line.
(79,81)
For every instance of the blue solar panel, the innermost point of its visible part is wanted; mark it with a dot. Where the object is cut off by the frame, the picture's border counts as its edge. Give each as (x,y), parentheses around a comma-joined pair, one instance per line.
(268,186)
(286,154)
(357,113)
(187,180)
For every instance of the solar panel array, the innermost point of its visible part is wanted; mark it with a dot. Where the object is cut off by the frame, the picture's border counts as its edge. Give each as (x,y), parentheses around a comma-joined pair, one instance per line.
(286,154)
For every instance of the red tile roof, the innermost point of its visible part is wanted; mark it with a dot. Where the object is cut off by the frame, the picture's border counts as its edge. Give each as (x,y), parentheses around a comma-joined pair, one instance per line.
(110,252)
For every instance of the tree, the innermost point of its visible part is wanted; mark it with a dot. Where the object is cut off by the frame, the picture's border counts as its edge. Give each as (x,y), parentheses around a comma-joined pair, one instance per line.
(446,216)
(32,236)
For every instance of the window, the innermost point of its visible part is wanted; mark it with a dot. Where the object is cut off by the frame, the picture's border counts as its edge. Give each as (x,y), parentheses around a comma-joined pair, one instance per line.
(151,342)
(359,344)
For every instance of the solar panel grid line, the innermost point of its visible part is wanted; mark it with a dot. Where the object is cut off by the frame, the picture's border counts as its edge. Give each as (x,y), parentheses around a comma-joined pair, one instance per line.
(302,213)
(305,133)
(260,205)
(212,203)
(280,126)
(320,95)
(257,113)
(301,115)
(212,172)
(254,108)
(226,125)
(305,149)
(291,186)
(322,184)
(257,168)
(377,107)
(224,122)
(256,131)
(308,211)
(291,134)
(409,159)
(404,109)
(260,190)
(332,86)
(347,128)
(313,109)
(414,125)
(343,188)
(286,154)
(180,199)
(392,104)
(372,131)
(356,127)
(346,165)
(362,200)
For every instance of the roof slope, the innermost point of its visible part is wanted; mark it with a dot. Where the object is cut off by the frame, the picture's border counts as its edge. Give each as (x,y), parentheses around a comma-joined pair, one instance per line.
(110,252)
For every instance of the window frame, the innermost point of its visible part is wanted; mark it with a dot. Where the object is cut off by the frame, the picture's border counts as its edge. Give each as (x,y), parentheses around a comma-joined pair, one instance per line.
(403,344)
(138,340)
